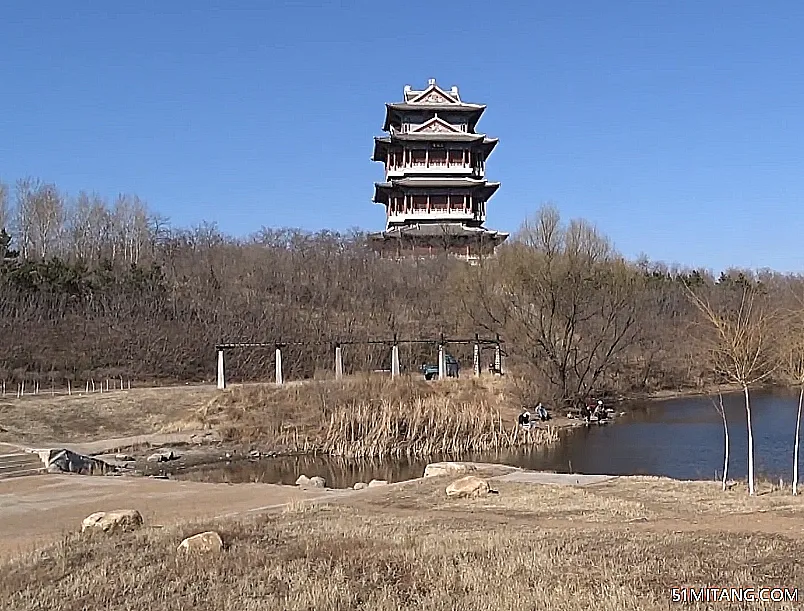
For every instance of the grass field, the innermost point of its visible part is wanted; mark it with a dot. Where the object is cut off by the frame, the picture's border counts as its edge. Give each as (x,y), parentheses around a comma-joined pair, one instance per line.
(613,546)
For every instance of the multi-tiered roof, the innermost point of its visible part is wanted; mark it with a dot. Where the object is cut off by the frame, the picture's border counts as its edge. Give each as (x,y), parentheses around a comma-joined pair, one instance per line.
(435,191)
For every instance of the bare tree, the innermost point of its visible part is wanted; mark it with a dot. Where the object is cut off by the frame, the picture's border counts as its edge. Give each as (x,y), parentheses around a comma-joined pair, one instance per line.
(40,218)
(5,213)
(721,409)
(565,295)
(739,344)
(791,360)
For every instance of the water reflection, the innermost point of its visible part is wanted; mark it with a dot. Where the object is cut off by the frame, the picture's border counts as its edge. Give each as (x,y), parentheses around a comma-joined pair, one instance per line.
(338,472)
(679,438)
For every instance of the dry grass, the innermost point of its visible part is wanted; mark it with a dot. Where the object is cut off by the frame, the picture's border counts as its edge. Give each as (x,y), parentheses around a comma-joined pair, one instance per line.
(81,417)
(372,416)
(341,557)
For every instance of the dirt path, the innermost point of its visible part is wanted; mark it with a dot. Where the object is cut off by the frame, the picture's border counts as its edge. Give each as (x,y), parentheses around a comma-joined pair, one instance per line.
(40,509)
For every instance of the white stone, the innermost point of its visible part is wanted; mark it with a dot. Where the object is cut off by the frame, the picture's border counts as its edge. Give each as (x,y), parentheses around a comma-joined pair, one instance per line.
(447,468)
(467,486)
(303,480)
(205,542)
(318,482)
(360,485)
(120,520)
(377,482)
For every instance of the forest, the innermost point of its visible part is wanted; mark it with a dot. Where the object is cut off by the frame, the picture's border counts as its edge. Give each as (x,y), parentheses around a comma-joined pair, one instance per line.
(91,288)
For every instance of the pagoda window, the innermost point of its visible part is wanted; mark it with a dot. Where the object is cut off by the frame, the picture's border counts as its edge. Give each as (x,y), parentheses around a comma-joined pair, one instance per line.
(419,203)
(438,203)
(438,157)
(456,158)
(418,157)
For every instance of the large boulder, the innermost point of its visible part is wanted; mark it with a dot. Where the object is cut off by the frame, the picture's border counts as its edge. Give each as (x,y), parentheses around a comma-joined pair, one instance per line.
(360,485)
(447,468)
(303,481)
(120,520)
(318,482)
(468,486)
(67,461)
(202,543)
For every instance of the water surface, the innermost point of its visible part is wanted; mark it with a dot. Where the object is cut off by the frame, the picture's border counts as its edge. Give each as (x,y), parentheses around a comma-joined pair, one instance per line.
(679,438)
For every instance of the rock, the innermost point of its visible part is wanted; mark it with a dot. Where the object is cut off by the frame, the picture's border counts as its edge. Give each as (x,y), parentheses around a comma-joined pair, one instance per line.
(467,487)
(303,481)
(360,485)
(202,543)
(123,457)
(447,468)
(120,520)
(377,482)
(163,456)
(255,454)
(318,482)
(67,461)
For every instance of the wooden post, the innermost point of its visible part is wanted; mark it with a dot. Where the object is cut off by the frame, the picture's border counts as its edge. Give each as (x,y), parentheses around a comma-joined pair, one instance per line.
(395,359)
(338,362)
(442,362)
(498,358)
(279,379)
(476,357)
(69,388)
(221,371)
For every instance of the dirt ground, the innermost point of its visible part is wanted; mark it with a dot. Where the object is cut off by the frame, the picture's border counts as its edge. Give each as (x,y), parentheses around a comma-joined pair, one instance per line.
(41,509)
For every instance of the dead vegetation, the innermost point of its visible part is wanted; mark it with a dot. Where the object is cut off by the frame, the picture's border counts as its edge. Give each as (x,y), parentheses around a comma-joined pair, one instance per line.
(83,417)
(388,551)
(374,415)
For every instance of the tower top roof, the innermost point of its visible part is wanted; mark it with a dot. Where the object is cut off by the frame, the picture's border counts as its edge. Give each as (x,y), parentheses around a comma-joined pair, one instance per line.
(432,94)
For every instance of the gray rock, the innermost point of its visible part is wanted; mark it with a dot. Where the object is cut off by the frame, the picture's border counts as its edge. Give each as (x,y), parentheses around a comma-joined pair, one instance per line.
(67,461)
(123,457)
(377,482)
(202,543)
(120,520)
(303,481)
(467,487)
(360,485)
(447,468)
(318,482)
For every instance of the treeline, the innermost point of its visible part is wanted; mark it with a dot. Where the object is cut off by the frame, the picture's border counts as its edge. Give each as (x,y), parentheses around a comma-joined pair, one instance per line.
(91,288)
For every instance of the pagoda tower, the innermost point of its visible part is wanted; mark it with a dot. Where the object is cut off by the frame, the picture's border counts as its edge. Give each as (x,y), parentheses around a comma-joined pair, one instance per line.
(435,190)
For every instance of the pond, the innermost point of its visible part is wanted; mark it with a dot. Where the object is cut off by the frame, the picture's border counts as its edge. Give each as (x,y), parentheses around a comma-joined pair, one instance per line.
(679,438)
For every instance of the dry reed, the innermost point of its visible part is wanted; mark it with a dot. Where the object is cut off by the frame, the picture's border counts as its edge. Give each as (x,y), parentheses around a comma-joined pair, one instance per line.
(375,416)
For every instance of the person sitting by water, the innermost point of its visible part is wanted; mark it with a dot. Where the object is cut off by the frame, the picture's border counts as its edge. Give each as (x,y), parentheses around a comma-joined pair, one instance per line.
(600,411)
(586,413)
(524,419)
(541,411)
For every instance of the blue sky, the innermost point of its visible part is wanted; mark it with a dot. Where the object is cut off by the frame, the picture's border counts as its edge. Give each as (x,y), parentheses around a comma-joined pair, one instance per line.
(675,126)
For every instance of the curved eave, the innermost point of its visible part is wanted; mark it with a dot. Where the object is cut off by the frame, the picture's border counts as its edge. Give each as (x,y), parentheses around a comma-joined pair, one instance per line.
(383,189)
(380,147)
(473,110)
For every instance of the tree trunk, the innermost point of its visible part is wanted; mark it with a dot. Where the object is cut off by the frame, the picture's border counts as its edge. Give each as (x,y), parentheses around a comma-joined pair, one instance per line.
(726,439)
(750,442)
(795,447)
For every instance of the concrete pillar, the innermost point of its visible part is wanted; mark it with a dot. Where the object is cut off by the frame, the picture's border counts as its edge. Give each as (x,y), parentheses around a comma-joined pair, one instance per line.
(442,362)
(476,359)
(279,379)
(338,362)
(221,371)
(394,360)
(498,358)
